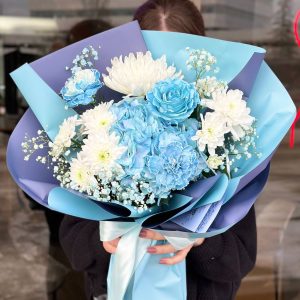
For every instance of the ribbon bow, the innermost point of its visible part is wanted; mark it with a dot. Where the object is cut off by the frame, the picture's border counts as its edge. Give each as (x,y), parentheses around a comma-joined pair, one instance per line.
(130,252)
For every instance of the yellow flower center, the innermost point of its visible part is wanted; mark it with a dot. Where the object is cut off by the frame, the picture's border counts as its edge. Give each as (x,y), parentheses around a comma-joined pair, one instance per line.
(103,122)
(103,156)
(232,105)
(210,131)
(80,176)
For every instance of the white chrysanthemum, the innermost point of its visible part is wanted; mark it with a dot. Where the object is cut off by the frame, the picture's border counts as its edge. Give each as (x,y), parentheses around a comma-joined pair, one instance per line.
(102,152)
(215,161)
(98,119)
(81,176)
(233,110)
(137,74)
(63,140)
(211,134)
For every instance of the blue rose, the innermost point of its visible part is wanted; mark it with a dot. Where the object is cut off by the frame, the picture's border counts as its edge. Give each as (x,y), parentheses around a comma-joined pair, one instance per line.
(173,163)
(173,100)
(82,87)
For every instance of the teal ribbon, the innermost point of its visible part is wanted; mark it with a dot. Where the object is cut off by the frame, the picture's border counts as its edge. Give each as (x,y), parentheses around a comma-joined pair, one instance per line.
(130,252)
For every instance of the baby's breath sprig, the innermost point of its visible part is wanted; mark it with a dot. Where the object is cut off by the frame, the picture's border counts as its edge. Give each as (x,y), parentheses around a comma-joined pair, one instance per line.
(137,194)
(84,60)
(33,144)
(202,62)
(244,148)
(209,85)
(61,171)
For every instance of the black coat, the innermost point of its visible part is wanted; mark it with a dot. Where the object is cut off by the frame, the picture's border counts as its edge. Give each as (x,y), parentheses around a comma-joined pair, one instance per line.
(214,269)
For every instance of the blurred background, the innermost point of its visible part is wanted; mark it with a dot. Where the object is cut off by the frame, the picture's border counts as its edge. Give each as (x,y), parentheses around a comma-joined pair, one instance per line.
(32,264)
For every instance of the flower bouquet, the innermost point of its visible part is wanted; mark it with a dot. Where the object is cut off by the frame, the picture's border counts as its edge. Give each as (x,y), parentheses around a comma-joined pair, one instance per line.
(159,130)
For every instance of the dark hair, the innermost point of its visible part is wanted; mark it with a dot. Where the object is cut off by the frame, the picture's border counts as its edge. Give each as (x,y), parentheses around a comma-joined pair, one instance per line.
(170,15)
(85,29)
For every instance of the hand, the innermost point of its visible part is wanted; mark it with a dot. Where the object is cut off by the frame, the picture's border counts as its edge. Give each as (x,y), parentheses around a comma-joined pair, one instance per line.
(167,248)
(111,246)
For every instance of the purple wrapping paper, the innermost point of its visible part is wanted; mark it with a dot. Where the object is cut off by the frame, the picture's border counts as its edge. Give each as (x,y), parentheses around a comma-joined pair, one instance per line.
(241,202)
(33,177)
(115,42)
(244,81)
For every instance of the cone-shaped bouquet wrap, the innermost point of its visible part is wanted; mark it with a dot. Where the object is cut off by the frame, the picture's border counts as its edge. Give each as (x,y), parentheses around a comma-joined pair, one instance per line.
(144,129)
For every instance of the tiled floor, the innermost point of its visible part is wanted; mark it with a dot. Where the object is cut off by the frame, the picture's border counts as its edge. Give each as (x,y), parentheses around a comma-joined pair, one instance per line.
(24,259)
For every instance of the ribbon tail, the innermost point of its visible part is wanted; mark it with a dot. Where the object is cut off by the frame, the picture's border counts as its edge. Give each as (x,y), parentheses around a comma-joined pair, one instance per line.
(130,252)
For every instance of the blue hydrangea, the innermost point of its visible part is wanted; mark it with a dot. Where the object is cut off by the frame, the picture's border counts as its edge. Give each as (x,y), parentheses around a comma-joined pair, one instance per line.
(173,163)
(190,127)
(136,127)
(81,88)
(173,100)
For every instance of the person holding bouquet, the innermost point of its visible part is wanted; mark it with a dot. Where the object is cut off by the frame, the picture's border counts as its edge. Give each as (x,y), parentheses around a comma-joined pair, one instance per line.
(216,265)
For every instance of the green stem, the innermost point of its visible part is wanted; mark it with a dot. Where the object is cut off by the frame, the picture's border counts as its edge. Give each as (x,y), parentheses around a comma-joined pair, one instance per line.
(78,144)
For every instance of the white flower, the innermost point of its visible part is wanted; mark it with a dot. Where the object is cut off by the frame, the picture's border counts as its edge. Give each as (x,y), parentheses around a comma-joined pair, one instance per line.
(233,110)
(215,161)
(81,176)
(102,152)
(211,134)
(98,119)
(85,75)
(209,85)
(63,140)
(137,74)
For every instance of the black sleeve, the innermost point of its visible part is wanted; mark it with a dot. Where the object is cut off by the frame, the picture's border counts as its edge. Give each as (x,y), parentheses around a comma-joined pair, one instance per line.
(81,243)
(229,256)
